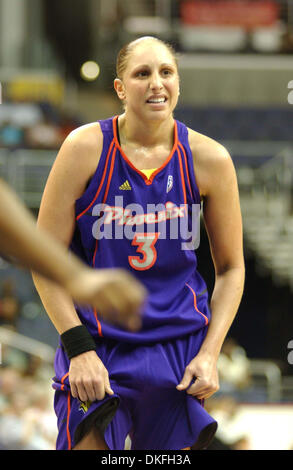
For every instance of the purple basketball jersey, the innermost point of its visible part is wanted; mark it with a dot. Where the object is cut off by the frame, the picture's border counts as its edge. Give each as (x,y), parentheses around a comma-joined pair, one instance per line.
(125,220)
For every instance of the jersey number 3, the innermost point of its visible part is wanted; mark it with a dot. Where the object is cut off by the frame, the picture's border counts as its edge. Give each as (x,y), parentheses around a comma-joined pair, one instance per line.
(146,247)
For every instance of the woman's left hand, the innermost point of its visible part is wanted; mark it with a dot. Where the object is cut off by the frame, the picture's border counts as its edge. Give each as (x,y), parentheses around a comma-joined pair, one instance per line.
(200,378)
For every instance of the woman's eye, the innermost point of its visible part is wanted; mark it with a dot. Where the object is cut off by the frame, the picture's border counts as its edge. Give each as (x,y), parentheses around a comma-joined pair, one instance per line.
(142,73)
(146,73)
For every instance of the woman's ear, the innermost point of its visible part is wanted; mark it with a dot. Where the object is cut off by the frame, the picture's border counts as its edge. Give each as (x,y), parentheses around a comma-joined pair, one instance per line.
(119,88)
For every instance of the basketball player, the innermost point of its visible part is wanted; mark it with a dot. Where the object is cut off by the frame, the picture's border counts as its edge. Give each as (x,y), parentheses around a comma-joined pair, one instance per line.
(21,240)
(149,384)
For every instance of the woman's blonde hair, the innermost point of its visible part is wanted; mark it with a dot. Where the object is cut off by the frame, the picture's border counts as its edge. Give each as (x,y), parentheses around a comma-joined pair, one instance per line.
(125,52)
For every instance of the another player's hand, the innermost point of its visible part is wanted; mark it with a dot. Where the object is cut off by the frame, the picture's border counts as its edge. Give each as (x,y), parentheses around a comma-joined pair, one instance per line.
(200,378)
(88,377)
(115,293)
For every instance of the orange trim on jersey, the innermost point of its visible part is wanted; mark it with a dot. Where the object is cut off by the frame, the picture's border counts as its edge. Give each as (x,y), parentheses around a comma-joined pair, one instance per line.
(110,175)
(106,195)
(67,422)
(186,166)
(195,304)
(144,177)
(98,323)
(96,247)
(62,380)
(95,311)
(95,252)
(182,175)
(102,181)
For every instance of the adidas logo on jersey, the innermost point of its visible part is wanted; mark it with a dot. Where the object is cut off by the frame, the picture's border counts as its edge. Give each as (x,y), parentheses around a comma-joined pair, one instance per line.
(125,186)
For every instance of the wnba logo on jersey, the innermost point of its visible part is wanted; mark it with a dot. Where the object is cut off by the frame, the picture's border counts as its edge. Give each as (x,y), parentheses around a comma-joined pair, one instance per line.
(84,406)
(167,221)
(169,183)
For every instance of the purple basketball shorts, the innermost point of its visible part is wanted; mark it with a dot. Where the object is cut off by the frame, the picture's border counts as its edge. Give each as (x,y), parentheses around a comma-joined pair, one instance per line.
(146,404)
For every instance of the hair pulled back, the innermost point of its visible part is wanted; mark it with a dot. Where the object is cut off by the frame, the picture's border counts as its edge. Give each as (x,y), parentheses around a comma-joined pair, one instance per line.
(124,53)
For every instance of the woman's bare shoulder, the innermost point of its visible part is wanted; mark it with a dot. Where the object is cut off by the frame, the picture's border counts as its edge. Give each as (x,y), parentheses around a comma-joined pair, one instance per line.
(76,163)
(88,136)
(211,159)
(81,150)
(205,148)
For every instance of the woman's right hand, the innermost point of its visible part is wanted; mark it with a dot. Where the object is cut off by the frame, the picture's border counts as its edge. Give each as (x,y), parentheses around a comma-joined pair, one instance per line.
(88,377)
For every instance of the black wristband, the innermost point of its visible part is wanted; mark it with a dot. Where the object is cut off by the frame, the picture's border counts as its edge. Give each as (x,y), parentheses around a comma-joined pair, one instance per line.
(77,340)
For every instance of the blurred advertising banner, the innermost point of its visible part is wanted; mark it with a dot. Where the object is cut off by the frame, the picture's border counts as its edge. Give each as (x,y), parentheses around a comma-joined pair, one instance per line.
(34,87)
(248,14)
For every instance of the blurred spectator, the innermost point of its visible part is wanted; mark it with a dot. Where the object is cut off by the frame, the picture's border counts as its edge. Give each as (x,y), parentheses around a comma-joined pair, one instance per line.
(37,369)
(9,310)
(66,125)
(32,125)
(9,304)
(287,41)
(43,135)
(11,135)
(39,418)
(13,357)
(230,434)
(234,368)
(27,421)
(11,423)
(9,381)
(20,114)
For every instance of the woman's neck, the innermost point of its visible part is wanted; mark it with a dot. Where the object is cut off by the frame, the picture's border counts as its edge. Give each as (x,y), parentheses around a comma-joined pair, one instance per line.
(146,133)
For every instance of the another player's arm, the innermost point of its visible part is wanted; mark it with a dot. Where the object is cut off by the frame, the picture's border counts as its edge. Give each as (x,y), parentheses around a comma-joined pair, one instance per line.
(24,244)
(33,248)
(216,178)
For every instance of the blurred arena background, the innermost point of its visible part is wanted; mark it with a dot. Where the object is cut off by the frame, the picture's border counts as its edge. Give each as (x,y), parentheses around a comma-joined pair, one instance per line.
(57,65)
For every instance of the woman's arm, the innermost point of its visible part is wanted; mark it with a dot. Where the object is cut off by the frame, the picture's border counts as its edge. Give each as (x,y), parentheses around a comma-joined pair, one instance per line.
(216,178)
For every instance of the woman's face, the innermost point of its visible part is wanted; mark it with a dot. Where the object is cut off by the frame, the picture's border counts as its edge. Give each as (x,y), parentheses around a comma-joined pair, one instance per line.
(150,83)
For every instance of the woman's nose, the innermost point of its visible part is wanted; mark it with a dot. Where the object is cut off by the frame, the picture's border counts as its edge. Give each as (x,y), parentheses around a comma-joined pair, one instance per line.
(156,82)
